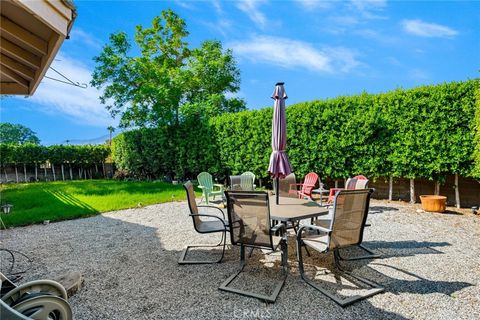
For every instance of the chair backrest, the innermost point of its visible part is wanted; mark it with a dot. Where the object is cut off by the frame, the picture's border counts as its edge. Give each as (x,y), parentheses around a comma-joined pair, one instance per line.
(249,218)
(350,210)
(247,181)
(309,182)
(205,180)
(192,205)
(284,186)
(235,183)
(241,183)
(357,182)
(251,174)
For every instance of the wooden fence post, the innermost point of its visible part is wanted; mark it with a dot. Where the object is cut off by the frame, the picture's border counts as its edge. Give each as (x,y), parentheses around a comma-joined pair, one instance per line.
(390,188)
(457,192)
(412,191)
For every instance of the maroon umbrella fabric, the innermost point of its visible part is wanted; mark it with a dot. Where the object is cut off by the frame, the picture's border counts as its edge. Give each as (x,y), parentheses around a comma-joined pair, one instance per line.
(279,166)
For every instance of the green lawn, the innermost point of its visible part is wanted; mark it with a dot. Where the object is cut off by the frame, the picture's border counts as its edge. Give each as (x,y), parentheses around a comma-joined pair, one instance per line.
(36,202)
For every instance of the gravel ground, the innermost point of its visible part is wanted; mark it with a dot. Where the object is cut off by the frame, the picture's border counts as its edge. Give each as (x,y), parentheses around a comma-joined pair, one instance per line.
(430,267)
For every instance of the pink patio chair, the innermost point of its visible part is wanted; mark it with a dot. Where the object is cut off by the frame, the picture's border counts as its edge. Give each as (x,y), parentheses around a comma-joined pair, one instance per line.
(304,190)
(357,182)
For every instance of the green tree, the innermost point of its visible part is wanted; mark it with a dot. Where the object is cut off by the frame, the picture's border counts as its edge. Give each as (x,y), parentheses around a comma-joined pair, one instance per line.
(167,79)
(17,134)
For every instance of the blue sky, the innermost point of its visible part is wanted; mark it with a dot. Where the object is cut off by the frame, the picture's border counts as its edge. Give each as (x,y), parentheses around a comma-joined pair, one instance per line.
(320,49)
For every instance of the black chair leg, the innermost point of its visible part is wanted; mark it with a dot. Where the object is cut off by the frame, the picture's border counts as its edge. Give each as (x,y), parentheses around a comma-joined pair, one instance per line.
(375,288)
(183,256)
(267,298)
(370,255)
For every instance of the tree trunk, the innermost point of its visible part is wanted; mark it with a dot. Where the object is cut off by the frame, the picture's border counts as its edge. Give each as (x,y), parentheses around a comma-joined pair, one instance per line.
(45,172)
(16,173)
(390,188)
(412,191)
(96,168)
(79,173)
(336,183)
(103,168)
(36,172)
(85,173)
(70,167)
(457,192)
(6,175)
(437,188)
(53,171)
(63,174)
(25,172)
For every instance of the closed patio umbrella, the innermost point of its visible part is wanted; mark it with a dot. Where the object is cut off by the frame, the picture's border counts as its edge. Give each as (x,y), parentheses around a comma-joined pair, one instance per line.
(279,166)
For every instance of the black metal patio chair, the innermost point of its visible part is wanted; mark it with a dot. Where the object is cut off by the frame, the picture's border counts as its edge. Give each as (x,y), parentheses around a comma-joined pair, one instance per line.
(349,215)
(211,224)
(250,226)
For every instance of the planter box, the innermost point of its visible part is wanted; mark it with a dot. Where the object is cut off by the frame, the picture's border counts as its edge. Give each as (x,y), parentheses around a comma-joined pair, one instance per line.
(433,203)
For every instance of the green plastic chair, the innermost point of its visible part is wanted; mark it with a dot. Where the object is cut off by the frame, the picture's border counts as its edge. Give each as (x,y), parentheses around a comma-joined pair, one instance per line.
(206,184)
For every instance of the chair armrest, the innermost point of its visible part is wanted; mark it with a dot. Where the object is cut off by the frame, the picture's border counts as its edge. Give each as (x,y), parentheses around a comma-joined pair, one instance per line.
(218,185)
(210,216)
(294,189)
(311,226)
(333,191)
(223,214)
(278,228)
(201,187)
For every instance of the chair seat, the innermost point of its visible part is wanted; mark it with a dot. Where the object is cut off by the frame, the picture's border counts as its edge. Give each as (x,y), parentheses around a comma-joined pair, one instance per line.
(325,220)
(211,192)
(318,243)
(210,226)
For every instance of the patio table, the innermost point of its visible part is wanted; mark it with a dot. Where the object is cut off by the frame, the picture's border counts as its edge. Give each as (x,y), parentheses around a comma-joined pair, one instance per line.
(294,209)
(321,191)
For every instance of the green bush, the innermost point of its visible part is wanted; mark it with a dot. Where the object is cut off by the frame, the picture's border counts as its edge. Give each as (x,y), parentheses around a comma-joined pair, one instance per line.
(476,152)
(30,153)
(423,132)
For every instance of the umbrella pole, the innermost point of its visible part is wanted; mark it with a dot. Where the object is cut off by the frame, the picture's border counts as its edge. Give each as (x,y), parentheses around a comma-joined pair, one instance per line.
(277,189)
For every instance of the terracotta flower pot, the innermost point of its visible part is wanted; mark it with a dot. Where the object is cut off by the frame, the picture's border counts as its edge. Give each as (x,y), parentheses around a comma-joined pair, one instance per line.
(432,203)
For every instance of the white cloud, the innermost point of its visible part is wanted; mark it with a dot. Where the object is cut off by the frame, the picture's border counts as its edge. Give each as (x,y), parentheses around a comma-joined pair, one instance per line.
(218,7)
(314,4)
(83,37)
(223,25)
(184,4)
(250,7)
(425,29)
(80,105)
(369,4)
(368,9)
(288,53)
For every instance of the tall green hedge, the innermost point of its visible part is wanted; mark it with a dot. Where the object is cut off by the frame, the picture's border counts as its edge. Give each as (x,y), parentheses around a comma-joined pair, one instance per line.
(57,154)
(423,132)
(476,152)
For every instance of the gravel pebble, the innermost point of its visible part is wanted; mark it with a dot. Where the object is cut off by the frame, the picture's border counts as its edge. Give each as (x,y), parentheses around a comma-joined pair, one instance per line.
(430,267)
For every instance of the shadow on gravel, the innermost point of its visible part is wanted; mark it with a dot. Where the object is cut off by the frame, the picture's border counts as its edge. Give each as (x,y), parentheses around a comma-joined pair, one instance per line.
(130,268)
(405,248)
(404,281)
(381,209)
(450,212)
